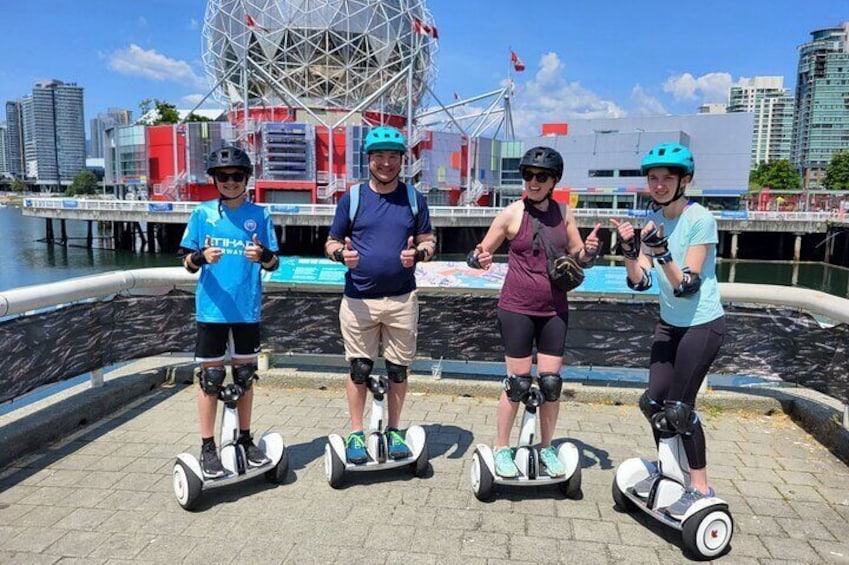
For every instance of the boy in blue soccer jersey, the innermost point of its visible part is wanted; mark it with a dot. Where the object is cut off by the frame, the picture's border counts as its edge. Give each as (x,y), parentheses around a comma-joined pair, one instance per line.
(380,240)
(229,240)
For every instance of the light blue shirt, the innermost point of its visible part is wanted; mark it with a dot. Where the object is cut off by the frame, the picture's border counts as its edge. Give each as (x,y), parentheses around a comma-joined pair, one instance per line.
(696,226)
(229,291)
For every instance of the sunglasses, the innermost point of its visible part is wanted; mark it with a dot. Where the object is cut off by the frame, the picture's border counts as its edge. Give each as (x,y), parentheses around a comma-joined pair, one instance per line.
(224,177)
(528,176)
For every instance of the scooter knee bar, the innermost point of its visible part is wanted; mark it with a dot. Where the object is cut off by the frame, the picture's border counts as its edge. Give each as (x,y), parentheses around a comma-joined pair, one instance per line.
(244,375)
(211,379)
(396,373)
(517,387)
(361,369)
(550,384)
(680,417)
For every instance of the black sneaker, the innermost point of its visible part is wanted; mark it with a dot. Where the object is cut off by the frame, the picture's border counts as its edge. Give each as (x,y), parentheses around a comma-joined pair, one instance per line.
(210,464)
(255,456)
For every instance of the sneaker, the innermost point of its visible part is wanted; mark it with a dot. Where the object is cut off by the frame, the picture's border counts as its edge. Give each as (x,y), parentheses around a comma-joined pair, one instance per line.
(643,488)
(679,508)
(355,448)
(210,464)
(504,464)
(396,445)
(551,462)
(256,457)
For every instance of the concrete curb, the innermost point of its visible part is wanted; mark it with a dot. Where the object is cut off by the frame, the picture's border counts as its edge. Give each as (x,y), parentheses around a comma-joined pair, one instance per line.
(34,430)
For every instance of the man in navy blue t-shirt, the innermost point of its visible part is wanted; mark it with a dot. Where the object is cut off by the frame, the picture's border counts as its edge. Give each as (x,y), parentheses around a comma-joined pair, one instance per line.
(387,235)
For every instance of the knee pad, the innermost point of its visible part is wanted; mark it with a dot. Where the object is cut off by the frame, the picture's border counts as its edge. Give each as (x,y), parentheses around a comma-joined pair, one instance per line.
(396,373)
(550,384)
(244,375)
(680,417)
(517,387)
(211,379)
(361,369)
(649,407)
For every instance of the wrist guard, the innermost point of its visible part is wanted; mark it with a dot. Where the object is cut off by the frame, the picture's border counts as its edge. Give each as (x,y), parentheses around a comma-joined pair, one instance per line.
(267,255)
(591,257)
(421,255)
(198,258)
(473,261)
(337,256)
(630,252)
(663,258)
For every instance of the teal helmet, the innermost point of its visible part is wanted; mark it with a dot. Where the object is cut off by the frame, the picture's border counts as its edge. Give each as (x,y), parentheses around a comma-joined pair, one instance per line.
(671,156)
(385,138)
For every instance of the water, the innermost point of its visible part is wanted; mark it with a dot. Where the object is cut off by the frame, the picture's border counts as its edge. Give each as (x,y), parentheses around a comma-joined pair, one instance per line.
(28,261)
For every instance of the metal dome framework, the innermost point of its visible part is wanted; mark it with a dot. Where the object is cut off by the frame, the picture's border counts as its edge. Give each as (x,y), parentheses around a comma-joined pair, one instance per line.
(320,53)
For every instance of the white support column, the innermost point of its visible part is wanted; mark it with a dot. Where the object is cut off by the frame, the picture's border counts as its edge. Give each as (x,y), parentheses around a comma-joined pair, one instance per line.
(735,236)
(797,248)
(96,380)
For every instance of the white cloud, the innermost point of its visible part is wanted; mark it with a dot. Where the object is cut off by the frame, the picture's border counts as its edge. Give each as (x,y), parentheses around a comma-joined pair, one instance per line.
(711,87)
(192,100)
(550,97)
(142,21)
(135,61)
(645,104)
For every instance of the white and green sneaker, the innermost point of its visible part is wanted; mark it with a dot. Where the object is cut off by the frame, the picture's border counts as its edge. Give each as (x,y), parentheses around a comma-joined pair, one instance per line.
(551,462)
(504,465)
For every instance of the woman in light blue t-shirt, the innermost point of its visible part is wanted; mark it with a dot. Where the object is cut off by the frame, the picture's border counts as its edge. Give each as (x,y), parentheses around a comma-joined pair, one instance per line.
(678,245)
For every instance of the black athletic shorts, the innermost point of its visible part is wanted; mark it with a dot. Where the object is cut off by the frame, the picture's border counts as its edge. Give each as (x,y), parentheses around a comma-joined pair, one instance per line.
(215,341)
(519,332)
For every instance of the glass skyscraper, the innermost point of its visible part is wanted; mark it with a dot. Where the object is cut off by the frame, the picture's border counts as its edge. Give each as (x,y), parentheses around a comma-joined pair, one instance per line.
(821,124)
(772,106)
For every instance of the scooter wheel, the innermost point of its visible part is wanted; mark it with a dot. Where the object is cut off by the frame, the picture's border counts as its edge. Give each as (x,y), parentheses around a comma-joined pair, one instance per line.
(482,479)
(421,464)
(707,533)
(280,471)
(334,467)
(187,485)
(571,488)
(620,500)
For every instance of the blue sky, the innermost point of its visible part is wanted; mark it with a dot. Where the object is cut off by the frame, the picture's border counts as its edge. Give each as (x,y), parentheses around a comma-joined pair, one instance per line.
(583,59)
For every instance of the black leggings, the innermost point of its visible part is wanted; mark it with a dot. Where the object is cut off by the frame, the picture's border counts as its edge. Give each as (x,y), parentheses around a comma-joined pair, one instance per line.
(520,331)
(680,359)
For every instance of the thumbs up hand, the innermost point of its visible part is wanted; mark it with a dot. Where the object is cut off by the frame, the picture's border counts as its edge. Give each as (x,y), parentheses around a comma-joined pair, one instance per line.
(350,256)
(592,245)
(408,254)
(211,253)
(254,251)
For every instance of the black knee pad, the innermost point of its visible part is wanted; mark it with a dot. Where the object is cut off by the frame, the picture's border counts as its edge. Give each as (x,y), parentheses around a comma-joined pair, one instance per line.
(550,384)
(680,416)
(361,369)
(517,387)
(211,379)
(396,373)
(244,375)
(649,407)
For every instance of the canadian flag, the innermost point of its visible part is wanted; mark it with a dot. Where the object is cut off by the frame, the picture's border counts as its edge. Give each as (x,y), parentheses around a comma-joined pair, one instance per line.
(518,65)
(422,28)
(252,24)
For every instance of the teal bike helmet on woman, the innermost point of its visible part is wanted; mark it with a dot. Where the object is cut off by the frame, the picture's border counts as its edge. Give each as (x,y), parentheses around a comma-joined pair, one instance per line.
(673,156)
(385,138)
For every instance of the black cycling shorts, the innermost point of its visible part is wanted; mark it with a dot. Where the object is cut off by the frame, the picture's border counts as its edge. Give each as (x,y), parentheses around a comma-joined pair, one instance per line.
(215,341)
(519,333)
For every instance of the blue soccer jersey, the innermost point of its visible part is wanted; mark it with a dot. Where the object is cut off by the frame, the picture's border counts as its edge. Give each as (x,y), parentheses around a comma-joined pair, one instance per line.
(229,291)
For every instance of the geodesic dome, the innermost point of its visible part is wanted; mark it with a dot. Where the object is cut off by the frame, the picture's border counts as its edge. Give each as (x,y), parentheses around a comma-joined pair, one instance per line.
(328,54)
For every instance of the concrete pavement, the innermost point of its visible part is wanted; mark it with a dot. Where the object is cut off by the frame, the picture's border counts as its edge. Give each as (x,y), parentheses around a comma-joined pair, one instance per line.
(104,495)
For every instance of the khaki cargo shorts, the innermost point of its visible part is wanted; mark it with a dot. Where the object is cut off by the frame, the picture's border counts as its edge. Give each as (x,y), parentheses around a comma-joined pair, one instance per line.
(393,320)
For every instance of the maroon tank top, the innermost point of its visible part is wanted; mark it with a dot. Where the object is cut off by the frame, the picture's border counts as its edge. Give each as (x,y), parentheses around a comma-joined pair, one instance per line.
(527,288)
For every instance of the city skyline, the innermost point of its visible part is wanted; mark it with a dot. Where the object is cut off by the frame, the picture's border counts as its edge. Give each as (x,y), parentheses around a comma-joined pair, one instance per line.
(580,62)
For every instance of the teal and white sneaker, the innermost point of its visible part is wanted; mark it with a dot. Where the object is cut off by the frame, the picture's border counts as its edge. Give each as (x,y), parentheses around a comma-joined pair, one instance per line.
(551,462)
(504,464)
(355,448)
(396,446)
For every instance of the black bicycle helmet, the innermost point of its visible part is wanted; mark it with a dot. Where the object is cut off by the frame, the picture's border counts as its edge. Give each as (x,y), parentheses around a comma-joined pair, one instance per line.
(229,156)
(543,158)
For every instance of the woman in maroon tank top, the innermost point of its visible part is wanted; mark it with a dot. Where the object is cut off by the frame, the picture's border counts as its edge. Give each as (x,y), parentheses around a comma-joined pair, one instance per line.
(531,310)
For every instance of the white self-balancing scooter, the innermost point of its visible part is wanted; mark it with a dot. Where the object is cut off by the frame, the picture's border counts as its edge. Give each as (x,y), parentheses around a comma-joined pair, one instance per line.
(335,460)
(526,456)
(707,526)
(188,478)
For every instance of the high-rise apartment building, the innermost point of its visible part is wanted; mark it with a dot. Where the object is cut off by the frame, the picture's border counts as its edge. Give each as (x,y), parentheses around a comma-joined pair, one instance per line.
(53,132)
(109,119)
(4,158)
(772,106)
(821,123)
(14,139)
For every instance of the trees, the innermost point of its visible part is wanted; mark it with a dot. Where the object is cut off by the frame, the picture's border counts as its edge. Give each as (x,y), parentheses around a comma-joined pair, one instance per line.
(18,185)
(165,113)
(837,173)
(84,183)
(777,175)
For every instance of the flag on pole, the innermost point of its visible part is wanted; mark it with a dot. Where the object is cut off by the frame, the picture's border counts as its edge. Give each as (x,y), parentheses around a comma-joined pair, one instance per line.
(456,97)
(252,24)
(422,28)
(518,65)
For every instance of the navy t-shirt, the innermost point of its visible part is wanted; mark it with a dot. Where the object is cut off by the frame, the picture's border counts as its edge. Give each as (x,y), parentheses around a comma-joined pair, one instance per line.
(382,225)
